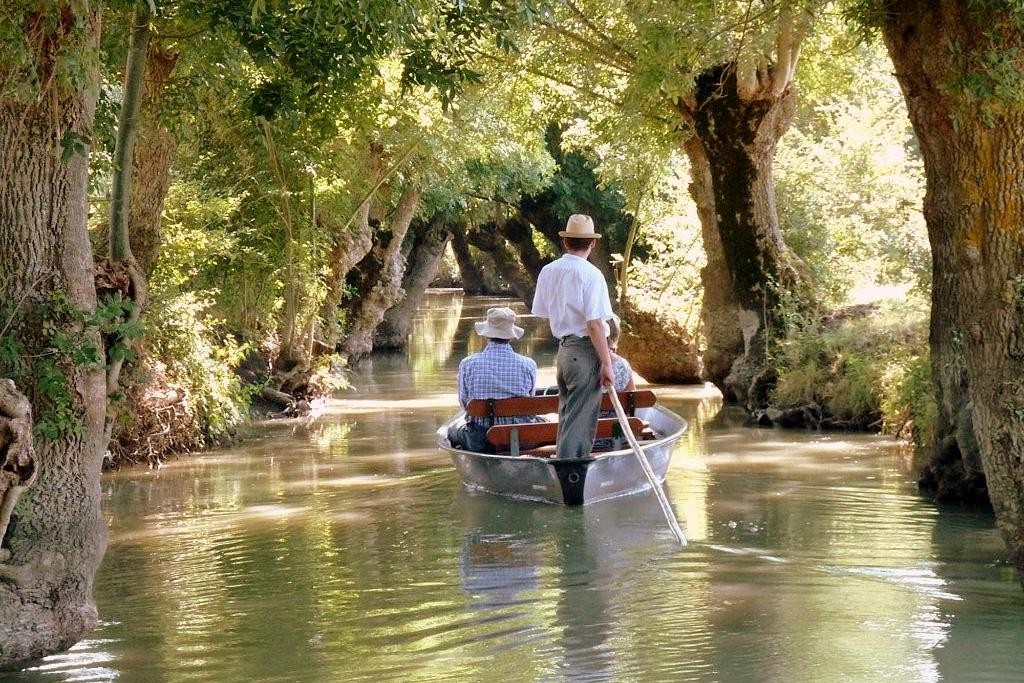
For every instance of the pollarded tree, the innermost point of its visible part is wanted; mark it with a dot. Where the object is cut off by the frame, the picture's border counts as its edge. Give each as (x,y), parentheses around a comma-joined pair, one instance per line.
(961,71)
(49,334)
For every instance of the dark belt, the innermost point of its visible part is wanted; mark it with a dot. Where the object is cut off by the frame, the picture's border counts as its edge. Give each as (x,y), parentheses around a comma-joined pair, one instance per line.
(577,341)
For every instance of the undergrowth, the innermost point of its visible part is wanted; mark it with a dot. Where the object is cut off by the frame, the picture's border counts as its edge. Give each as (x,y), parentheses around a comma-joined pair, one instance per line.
(866,367)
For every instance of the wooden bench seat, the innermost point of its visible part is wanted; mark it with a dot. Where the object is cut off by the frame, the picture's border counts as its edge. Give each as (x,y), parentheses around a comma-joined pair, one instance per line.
(542,405)
(516,438)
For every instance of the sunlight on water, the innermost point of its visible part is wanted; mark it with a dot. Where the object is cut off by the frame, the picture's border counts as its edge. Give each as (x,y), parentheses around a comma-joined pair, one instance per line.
(344,549)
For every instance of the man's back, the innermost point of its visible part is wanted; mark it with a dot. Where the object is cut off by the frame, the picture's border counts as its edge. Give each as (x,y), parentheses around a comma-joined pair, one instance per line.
(496,372)
(571,291)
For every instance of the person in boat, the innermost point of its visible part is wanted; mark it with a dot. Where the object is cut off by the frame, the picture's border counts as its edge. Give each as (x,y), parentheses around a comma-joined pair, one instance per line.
(573,295)
(622,371)
(623,375)
(496,372)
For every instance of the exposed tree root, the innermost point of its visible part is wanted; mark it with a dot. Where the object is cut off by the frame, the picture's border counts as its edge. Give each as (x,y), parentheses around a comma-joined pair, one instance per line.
(19,469)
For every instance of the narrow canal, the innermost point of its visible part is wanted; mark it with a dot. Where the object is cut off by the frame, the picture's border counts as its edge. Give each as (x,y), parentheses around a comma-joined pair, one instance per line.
(344,549)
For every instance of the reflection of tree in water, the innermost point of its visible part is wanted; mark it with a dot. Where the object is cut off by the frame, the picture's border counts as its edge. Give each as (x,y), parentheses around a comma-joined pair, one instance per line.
(433,331)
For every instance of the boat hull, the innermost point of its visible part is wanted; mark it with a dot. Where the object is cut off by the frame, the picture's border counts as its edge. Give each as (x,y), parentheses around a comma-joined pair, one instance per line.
(578,481)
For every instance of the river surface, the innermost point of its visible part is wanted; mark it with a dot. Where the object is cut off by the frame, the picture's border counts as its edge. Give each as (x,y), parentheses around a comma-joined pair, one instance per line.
(344,549)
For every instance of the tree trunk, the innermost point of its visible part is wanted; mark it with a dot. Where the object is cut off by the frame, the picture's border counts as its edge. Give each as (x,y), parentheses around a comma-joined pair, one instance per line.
(954,472)
(739,138)
(154,153)
(56,537)
(352,243)
(974,210)
(424,258)
(519,233)
(380,281)
(490,240)
(472,278)
(720,318)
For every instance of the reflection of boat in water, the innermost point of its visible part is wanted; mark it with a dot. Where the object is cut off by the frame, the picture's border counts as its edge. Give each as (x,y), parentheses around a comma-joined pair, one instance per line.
(551,579)
(575,481)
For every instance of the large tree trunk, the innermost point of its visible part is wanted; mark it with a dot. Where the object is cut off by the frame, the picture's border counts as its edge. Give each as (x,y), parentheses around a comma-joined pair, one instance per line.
(154,153)
(489,239)
(423,261)
(739,137)
(472,278)
(974,209)
(954,472)
(379,280)
(519,233)
(720,317)
(57,537)
(352,243)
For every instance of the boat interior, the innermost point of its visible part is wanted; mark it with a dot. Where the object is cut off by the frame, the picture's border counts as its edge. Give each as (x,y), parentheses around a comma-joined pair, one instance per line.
(538,439)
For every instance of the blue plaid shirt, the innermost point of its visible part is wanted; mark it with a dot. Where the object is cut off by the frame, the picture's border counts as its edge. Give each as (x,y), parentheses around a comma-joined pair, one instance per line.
(496,372)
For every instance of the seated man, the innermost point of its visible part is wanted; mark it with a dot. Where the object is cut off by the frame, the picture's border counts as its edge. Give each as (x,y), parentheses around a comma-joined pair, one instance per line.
(496,372)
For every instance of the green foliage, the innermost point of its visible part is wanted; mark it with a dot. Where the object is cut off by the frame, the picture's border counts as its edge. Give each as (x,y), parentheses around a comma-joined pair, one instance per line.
(912,404)
(47,48)
(863,367)
(68,339)
(849,179)
(197,356)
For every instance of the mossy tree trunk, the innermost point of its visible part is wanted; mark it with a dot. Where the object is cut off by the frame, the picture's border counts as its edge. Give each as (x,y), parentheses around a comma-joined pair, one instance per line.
(423,260)
(378,279)
(352,243)
(57,536)
(723,339)
(490,239)
(738,133)
(155,147)
(469,271)
(973,150)
(519,233)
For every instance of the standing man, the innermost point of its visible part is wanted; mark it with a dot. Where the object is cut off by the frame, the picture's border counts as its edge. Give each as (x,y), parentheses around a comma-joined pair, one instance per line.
(573,296)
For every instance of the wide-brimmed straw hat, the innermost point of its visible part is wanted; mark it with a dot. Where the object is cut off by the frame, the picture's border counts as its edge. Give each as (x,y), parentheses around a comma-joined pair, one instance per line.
(580,226)
(500,324)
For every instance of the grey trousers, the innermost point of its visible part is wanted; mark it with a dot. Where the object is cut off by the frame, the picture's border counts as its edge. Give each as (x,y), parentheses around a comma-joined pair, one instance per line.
(579,396)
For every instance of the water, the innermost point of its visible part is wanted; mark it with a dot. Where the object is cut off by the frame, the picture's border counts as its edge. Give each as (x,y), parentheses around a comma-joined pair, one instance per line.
(344,549)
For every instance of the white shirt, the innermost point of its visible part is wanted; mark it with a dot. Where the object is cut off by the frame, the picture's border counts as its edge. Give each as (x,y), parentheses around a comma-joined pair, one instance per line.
(571,291)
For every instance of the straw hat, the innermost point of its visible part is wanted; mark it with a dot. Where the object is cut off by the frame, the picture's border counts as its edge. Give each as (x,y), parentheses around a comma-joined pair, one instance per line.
(500,324)
(581,226)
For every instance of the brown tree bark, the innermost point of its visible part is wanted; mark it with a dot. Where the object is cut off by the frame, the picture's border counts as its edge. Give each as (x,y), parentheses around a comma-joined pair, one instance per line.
(57,537)
(379,280)
(739,135)
(423,261)
(472,278)
(352,243)
(155,147)
(490,240)
(720,317)
(973,150)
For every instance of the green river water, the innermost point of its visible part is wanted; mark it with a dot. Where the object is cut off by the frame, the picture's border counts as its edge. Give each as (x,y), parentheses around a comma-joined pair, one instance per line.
(343,548)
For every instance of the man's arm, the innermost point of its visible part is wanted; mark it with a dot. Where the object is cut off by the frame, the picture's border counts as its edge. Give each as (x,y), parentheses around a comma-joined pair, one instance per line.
(595,328)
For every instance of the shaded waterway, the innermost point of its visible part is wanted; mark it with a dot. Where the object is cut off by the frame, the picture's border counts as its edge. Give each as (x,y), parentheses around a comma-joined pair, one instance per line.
(344,549)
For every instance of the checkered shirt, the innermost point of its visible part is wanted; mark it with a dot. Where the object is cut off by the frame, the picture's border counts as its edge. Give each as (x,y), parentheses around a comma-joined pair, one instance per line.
(496,372)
